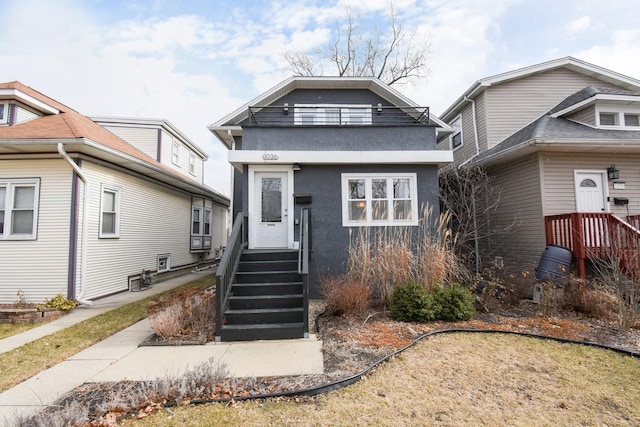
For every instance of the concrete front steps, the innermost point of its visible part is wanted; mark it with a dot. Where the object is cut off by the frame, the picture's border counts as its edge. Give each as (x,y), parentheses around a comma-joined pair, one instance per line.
(266,301)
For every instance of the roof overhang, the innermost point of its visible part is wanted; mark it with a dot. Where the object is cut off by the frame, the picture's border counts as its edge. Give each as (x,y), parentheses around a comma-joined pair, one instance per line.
(419,157)
(17,94)
(603,147)
(166,125)
(21,148)
(599,97)
(571,63)
(229,126)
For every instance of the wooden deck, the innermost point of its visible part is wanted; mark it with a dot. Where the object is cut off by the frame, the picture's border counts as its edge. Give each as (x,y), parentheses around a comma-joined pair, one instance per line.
(597,236)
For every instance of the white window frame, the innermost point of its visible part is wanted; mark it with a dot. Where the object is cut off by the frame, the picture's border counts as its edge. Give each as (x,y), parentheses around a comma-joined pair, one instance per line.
(4,113)
(192,163)
(175,152)
(9,208)
(456,124)
(117,193)
(200,221)
(619,113)
(320,114)
(390,221)
(206,222)
(167,258)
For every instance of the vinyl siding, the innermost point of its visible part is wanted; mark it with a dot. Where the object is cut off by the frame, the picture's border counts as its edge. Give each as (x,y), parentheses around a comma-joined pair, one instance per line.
(39,267)
(558,178)
(144,139)
(515,104)
(586,116)
(520,200)
(24,115)
(154,220)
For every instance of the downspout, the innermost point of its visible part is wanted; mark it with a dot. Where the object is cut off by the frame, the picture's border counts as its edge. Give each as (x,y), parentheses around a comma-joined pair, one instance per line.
(85,215)
(475,132)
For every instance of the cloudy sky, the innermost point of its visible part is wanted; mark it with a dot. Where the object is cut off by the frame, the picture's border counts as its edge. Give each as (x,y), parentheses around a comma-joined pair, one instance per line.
(194,61)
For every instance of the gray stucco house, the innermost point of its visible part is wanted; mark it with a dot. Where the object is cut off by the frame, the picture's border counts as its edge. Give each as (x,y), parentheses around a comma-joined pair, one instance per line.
(347,153)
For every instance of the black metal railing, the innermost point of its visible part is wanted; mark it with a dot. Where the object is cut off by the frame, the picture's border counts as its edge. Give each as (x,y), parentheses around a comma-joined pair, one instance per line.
(228,266)
(303,262)
(337,115)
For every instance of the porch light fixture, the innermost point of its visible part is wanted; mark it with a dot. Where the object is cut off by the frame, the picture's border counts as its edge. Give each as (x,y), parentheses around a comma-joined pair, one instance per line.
(379,108)
(295,167)
(613,173)
(285,108)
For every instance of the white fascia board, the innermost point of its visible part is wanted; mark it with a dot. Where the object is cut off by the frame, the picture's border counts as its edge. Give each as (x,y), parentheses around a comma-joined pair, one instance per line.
(28,100)
(594,99)
(277,157)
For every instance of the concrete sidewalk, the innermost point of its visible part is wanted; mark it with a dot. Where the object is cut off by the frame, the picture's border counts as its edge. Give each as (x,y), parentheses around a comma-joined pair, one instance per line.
(119,358)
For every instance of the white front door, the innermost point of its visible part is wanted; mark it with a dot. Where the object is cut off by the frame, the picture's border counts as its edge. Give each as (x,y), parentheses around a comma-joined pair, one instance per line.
(590,196)
(269,222)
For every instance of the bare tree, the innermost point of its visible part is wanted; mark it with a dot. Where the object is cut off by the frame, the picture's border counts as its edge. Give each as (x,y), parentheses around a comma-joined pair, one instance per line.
(471,197)
(394,56)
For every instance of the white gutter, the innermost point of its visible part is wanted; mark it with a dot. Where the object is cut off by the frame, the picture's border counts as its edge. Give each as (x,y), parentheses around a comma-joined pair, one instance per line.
(85,215)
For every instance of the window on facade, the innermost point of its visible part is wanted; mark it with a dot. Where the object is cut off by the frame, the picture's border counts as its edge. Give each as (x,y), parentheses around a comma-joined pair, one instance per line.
(196,220)
(110,212)
(631,119)
(19,209)
(175,153)
(164,262)
(207,222)
(609,119)
(332,115)
(4,113)
(192,163)
(370,199)
(456,136)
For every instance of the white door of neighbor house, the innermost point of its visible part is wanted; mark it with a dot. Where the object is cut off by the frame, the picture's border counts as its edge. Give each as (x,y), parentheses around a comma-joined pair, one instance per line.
(590,192)
(590,197)
(270,219)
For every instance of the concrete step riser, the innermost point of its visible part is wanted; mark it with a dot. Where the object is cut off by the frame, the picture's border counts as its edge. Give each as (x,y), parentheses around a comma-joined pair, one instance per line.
(252,334)
(249,266)
(265,302)
(268,277)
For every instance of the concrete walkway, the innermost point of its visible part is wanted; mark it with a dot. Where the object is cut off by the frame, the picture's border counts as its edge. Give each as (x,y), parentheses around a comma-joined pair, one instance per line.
(119,358)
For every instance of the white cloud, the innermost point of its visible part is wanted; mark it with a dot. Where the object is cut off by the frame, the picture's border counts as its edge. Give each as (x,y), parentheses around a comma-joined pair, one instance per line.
(577,26)
(621,54)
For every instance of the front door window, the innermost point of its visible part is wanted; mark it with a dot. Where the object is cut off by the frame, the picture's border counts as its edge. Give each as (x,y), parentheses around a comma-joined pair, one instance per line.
(271,200)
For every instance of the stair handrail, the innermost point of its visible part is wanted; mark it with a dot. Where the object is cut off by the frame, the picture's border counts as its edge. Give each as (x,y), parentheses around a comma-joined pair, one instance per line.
(228,266)
(304,243)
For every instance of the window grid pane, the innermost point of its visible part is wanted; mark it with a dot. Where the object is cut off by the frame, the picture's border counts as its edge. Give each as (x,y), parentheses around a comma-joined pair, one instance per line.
(632,120)
(380,200)
(207,222)
(195,226)
(23,197)
(108,223)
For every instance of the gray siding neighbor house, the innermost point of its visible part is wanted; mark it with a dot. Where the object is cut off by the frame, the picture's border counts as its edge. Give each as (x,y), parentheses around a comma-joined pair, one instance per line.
(347,152)
(562,141)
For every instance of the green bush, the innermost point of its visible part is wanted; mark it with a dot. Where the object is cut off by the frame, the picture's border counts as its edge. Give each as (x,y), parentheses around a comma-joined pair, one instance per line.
(413,303)
(455,302)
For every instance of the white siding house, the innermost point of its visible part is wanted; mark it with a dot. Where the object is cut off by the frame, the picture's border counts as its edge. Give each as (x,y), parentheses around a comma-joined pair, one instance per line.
(59,168)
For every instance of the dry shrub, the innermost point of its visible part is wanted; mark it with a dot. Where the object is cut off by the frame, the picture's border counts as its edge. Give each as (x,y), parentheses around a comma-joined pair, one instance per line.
(345,296)
(592,299)
(386,257)
(183,314)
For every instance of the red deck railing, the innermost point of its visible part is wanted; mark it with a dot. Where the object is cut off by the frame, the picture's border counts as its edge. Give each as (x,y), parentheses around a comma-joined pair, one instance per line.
(596,235)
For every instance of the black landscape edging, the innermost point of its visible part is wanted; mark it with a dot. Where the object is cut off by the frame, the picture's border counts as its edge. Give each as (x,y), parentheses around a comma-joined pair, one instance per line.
(314,391)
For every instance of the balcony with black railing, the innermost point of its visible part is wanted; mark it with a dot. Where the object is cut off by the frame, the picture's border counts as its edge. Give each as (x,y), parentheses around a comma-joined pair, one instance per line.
(335,115)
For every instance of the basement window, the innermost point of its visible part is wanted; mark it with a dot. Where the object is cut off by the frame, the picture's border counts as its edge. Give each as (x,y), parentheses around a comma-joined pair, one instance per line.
(164,262)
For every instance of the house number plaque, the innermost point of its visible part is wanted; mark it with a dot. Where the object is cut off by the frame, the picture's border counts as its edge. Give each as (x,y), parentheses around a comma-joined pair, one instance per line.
(269,156)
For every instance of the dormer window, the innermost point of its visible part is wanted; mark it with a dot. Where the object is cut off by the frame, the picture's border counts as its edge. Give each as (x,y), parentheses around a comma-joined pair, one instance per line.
(4,112)
(618,117)
(632,120)
(332,115)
